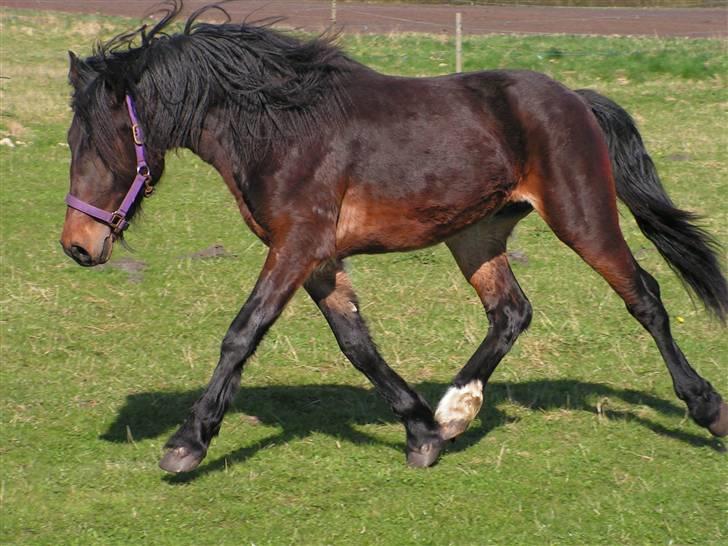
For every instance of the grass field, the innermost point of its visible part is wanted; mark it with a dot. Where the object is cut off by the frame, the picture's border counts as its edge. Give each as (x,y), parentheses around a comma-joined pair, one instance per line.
(581,440)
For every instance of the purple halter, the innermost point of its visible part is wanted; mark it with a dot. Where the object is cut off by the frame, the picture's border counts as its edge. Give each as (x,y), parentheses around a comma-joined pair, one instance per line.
(117,219)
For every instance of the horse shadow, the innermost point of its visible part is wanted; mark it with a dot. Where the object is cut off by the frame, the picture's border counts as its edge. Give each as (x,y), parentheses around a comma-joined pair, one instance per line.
(335,410)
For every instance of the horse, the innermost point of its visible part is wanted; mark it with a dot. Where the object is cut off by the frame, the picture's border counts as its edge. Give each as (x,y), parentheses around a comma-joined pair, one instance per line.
(327,158)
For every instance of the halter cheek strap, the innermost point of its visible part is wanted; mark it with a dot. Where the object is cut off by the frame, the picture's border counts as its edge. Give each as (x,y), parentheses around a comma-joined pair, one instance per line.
(117,219)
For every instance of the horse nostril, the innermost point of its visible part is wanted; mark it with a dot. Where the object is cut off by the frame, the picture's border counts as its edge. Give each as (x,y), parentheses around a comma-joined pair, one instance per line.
(79,254)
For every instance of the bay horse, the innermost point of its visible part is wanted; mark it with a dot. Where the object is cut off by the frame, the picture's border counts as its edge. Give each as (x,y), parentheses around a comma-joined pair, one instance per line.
(327,158)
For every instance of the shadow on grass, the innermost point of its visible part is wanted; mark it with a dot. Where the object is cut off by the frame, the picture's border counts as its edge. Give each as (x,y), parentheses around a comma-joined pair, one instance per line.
(333,410)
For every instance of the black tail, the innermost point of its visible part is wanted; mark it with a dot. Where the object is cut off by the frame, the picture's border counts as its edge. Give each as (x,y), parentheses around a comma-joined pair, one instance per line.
(689,250)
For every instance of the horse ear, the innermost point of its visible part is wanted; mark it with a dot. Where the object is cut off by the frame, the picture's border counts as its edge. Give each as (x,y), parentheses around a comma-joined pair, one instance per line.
(76,69)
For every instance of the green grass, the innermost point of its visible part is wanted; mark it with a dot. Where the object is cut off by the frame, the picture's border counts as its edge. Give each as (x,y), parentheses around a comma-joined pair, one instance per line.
(581,441)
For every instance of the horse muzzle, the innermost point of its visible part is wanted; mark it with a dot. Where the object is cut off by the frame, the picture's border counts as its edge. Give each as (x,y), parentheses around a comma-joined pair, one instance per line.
(85,240)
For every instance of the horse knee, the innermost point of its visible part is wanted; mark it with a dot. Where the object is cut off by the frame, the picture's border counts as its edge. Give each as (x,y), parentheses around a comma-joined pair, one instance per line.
(511,317)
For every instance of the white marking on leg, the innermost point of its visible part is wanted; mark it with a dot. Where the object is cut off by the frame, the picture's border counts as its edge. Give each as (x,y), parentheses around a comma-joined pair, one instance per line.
(459,407)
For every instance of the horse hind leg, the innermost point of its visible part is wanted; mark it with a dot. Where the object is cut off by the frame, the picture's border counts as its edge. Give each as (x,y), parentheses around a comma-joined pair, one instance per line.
(480,252)
(704,404)
(578,202)
(641,294)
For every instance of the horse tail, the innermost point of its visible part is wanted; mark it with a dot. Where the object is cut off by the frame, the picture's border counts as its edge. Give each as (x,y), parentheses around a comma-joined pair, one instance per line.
(688,249)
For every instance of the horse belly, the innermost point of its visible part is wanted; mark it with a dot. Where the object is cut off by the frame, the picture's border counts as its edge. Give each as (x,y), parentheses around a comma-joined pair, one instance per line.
(370,225)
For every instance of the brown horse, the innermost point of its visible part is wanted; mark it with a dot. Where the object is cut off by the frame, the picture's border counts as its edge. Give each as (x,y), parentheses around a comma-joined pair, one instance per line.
(327,158)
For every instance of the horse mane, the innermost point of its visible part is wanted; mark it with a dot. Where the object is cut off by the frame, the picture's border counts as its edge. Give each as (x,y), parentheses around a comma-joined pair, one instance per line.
(269,86)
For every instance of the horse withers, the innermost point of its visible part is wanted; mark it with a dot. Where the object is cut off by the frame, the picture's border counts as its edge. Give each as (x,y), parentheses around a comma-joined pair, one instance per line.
(327,158)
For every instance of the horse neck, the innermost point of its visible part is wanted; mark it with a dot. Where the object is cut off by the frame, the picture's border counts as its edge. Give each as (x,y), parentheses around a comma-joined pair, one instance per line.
(216,146)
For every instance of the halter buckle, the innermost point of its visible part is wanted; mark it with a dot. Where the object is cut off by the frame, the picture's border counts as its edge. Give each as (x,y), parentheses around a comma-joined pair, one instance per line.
(136,132)
(143,171)
(117,219)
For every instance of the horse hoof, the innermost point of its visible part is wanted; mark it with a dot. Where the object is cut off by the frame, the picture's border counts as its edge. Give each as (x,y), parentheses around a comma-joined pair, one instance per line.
(180,459)
(425,456)
(719,427)
(453,429)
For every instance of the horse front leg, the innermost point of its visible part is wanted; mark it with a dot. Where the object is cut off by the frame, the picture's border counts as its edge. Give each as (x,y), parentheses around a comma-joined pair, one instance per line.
(330,289)
(284,271)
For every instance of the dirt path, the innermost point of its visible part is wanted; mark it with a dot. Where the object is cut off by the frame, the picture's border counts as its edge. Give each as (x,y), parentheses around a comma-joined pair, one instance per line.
(377,18)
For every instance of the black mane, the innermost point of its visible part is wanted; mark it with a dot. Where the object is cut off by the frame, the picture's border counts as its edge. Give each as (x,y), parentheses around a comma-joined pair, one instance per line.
(268,85)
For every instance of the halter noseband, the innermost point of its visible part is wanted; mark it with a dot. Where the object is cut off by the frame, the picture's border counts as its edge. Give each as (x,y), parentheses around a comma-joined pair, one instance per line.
(117,219)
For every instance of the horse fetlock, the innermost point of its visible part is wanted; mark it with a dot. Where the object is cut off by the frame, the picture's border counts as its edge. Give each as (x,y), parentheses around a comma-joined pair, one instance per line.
(706,408)
(458,408)
(710,411)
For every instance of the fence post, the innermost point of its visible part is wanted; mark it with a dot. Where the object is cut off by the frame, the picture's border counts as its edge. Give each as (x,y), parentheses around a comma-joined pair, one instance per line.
(458,42)
(333,12)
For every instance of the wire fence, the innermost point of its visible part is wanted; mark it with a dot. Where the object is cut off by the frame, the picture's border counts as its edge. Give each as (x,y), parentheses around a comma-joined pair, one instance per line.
(500,18)
(515,25)
(576,3)
(644,49)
